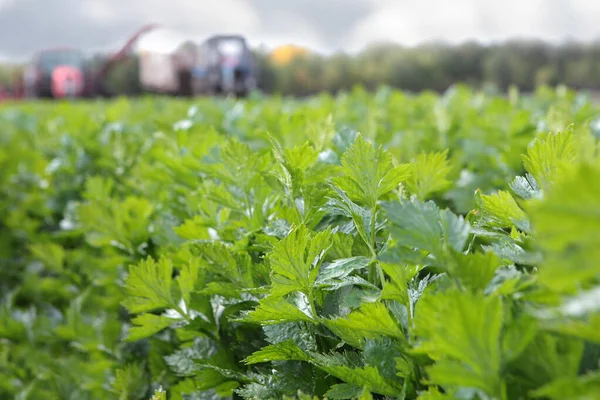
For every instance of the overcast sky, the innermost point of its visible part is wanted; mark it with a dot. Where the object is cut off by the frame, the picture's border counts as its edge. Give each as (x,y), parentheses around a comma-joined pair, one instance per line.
(324,25)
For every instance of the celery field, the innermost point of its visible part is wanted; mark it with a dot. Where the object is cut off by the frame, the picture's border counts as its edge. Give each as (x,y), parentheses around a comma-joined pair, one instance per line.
(378,245)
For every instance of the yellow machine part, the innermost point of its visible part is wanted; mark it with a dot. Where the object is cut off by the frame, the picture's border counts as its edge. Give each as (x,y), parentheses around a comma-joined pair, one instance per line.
(285,54)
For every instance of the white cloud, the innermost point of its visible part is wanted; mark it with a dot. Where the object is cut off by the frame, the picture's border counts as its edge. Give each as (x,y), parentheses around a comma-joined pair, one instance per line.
(180,20)
(325,25)
(99,10)
(411,22)
(196,16)
(414,21)
(6,3)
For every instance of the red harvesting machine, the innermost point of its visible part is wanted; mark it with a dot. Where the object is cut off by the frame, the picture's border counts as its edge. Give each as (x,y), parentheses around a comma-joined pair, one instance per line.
(68,73)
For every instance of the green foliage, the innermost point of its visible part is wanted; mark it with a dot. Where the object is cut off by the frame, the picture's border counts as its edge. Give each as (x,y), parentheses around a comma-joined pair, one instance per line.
(524,64)
(159,394)
(148,286)
(368,173)
(429,174)
(567,225)
(383,246)
(130,382)
(463,339)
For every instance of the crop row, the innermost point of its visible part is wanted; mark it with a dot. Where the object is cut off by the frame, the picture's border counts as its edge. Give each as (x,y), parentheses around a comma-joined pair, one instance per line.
(364,246)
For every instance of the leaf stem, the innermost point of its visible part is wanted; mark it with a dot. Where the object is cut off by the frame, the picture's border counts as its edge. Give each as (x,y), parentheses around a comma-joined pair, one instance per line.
(249,208)
(182,313)
(375,271)
(503,394)
(373,225)
(311,301)
(299,215)
(380,273)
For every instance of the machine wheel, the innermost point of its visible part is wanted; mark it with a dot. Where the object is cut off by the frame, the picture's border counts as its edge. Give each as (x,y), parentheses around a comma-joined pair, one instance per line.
(241,94)
(43,94)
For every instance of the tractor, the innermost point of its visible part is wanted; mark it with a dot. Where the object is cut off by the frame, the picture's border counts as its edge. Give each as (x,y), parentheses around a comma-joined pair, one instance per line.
(222,64)
(226,65)
(68,73)
(56,73)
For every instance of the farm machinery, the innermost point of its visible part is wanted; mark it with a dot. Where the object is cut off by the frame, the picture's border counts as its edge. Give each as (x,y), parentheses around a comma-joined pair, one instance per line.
(68,73)
(222,64)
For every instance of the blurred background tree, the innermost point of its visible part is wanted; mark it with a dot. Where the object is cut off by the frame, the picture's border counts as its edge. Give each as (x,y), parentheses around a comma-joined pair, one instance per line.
(433,66)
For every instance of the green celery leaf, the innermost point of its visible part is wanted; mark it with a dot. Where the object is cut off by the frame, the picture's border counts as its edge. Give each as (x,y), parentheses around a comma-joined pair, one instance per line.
(225,289)
(363,376)
(455,229)
(206,379)
(519,332)
(52,255)
(383,354)
(548,357)
(146,325)
(366,394)
(343,391)
(193,229)
(293,165)
(586,328)
(433,393)
(526,187)
(282,351)
(341,268)
(288,379)
(303,334)
(187,278)
(414,224)
(223,261)
(295,261)
(429,174)
(335,284)
(370,321)
(566,224)
(500,210)
(341,246)
(397,287)
(275,310)
(545,157)
(585,387)
(131,382)
(361,217)
(183,362)
(148,286)
(419,229)
(369,172)
(512,252)
(463,330)
(474,270)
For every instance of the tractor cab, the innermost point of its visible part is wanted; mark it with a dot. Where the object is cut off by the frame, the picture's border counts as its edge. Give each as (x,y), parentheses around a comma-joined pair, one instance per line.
(225,65)
(56,73)
(170,64)
(50,59)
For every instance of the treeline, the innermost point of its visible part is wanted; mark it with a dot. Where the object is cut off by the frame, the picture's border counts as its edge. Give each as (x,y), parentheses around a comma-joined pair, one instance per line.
(525,64)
